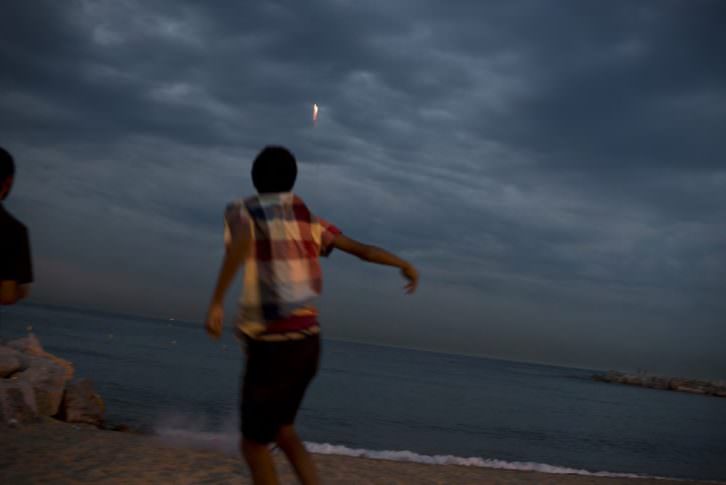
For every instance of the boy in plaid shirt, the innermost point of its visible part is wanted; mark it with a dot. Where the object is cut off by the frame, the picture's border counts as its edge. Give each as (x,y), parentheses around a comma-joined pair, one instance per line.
(279,241)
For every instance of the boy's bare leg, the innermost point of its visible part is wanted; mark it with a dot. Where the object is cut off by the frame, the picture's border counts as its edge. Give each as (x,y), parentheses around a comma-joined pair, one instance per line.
(290,443)
(259,459)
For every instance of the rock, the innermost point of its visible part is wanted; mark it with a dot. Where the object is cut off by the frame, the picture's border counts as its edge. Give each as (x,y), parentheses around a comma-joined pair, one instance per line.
(632,380)
(675,383)
(48,380)
(17,401)
(691,389)
(693,386)
(67,366)
(30,346)
(660,383)
(82,404)
(9,361)
(37,386)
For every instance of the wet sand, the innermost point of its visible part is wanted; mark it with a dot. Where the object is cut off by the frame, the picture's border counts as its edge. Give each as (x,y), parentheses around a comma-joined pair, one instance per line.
(53,452)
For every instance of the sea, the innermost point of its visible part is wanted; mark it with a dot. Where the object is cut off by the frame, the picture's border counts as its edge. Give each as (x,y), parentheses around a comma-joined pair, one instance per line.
(167,377)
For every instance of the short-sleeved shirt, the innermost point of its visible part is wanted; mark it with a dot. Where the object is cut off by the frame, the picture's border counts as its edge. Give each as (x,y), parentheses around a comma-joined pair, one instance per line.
(15,261)
(282,274)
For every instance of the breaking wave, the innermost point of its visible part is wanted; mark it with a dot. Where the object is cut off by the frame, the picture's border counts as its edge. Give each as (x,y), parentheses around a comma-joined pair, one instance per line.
(410,456)
(227,442)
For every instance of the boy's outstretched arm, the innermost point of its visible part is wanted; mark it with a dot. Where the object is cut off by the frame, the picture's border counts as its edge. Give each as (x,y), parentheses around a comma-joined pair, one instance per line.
(374,254)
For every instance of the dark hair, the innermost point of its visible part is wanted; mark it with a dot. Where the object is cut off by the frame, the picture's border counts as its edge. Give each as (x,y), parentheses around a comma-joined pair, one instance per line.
(274,170)
(7,165)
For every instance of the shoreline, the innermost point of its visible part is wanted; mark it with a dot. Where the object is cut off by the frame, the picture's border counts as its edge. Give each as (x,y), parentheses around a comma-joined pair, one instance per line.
(228,444)
(50,451)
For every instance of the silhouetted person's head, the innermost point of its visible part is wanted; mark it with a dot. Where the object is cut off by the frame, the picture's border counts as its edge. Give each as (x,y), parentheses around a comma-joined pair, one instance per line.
(7,173)
(274,170)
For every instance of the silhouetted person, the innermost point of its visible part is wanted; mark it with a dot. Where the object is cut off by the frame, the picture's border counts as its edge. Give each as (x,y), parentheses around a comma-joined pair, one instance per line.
(16,272)
(279,241)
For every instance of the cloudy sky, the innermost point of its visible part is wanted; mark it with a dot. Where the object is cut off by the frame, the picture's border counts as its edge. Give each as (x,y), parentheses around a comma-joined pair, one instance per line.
(556,170)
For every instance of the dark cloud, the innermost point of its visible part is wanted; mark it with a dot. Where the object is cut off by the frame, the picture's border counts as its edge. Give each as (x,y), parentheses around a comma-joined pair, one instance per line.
(555,169)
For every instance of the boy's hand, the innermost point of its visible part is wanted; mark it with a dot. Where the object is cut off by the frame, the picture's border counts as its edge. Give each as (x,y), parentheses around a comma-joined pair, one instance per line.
(375,254)
(410,273)
(215,319)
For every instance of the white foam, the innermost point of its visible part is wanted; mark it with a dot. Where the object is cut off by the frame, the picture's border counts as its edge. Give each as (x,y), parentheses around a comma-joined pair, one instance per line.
(188,431)
(227,442)
(405,455)
(224,442)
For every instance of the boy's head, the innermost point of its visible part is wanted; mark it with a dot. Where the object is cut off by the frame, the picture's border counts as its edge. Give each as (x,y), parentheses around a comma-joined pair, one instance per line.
(7,172)
(274,170)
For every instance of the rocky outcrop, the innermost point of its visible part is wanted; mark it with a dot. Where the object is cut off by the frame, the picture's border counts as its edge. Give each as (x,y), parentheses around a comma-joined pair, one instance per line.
(30,346)
(10,362)
(48,381)
(35,383)
(17,401)
(694,386)
(82,404)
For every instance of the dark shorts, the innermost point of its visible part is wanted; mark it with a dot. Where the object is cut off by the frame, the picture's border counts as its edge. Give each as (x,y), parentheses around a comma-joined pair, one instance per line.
(275,379)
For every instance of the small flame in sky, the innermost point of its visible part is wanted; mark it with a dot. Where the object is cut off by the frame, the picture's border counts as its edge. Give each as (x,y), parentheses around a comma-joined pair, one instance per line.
(315,113)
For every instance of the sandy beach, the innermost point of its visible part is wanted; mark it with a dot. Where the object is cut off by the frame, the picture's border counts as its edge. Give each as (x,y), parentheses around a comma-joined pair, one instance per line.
(50,451)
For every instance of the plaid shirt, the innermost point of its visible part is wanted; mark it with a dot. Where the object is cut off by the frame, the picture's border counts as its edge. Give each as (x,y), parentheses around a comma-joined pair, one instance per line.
(282,277)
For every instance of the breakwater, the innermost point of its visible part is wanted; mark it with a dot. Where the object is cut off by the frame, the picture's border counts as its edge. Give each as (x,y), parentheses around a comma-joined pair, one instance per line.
(694,386)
